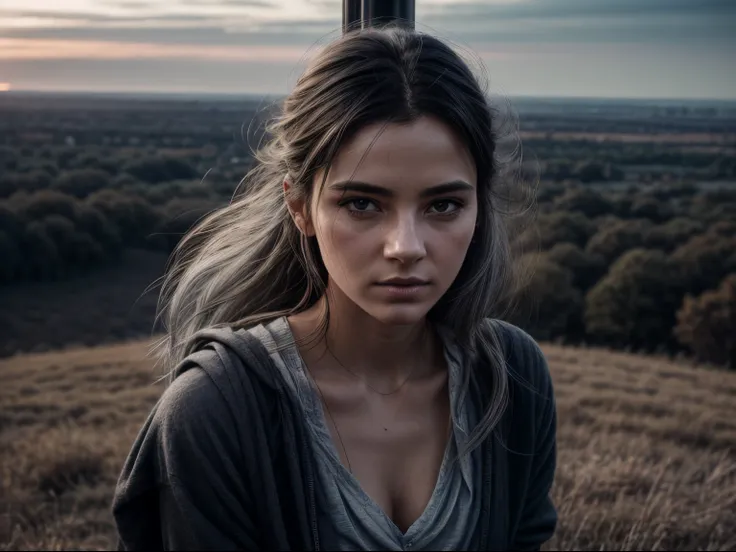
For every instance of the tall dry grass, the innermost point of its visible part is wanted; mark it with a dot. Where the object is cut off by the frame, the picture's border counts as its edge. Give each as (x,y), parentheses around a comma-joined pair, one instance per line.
(647,449)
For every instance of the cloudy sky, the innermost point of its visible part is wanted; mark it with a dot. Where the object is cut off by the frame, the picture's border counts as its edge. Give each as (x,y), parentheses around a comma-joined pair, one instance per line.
(590,48)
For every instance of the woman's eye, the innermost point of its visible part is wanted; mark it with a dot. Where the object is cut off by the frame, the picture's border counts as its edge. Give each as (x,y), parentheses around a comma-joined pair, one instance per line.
(446,206)
(359,204)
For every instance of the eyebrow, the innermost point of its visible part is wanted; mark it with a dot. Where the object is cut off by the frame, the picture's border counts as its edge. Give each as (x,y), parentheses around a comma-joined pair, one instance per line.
(364,187)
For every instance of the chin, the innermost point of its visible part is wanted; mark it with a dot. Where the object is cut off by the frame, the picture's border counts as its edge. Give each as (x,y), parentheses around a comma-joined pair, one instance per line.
(399,314)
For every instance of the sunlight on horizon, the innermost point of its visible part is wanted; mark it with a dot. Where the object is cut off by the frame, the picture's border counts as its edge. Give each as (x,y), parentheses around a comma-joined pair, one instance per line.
(4,86)
(19,49)
(54,14)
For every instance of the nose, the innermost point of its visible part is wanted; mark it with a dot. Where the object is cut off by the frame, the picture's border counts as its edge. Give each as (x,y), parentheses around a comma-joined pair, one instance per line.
(404,241)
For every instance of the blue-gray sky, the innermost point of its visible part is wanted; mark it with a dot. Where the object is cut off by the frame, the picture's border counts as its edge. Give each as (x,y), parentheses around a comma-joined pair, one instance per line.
(590,48)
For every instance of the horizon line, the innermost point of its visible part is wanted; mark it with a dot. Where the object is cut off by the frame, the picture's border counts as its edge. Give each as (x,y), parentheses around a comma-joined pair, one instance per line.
(262,95)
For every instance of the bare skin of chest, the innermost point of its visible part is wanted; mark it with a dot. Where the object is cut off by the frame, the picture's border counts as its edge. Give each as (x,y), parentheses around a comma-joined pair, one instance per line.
(394,444)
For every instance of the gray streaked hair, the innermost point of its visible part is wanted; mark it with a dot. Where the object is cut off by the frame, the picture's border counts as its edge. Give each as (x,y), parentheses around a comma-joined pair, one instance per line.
(247,263)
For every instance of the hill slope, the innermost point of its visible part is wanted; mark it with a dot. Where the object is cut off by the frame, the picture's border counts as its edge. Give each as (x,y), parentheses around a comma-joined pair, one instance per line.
(647,448)
(113,303)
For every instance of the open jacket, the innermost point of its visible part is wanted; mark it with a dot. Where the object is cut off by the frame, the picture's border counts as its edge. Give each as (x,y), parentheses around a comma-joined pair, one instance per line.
(223,461)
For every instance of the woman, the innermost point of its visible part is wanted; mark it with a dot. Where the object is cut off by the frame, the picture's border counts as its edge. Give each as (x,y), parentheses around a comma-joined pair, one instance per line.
(336,378)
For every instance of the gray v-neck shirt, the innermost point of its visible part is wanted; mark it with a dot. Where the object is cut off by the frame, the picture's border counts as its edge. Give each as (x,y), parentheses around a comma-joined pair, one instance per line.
(349,519)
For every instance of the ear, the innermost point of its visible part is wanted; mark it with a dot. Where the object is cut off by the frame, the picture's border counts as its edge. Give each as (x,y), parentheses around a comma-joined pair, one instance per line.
(298,210)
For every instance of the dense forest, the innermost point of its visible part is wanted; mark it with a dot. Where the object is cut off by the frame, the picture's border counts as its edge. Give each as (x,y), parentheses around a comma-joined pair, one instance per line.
(633,243)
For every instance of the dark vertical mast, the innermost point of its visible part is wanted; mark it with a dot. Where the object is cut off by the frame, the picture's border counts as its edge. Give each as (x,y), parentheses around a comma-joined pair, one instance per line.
(359,14)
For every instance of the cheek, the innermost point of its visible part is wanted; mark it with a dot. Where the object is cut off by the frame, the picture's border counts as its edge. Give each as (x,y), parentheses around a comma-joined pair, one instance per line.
(453,243)
(461,231)
(342,245)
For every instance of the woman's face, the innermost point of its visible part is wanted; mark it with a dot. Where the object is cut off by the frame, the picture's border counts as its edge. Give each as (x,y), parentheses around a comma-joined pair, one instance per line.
(403,206)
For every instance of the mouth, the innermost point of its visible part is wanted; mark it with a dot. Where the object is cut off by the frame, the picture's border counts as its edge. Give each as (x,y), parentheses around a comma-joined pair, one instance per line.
(403,282)
(405,289)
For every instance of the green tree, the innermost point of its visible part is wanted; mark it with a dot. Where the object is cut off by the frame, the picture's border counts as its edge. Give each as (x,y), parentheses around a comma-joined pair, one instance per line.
(160,169)
(41,259)
(82,182)
(92,160)
(76,248)
(8,155)
(590,171)
(11,224)
(11,259)
(44,203)
(559,170)
(134,218)
(707,324)
(705,260)
(714,205)
(125,180)
(617,237)
(546,193)
(557,227)
(61,230)
(723,228)
(663,191)
(634,305)
(586,201)
(672,234)
(586,267)
(651,209)
(30,182)
(93,222)
(547,305)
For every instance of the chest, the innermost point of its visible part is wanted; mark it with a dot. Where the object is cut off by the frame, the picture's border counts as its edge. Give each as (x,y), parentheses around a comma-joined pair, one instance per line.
(393,446)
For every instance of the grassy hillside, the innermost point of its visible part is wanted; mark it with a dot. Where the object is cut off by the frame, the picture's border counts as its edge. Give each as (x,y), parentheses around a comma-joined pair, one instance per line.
(647,448)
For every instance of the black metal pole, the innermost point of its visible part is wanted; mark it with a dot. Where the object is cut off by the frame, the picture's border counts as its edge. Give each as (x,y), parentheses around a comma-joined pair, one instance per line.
(351,15)
(359,14)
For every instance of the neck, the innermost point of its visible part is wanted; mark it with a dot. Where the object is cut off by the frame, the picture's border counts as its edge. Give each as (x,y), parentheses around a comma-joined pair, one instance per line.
(380,354)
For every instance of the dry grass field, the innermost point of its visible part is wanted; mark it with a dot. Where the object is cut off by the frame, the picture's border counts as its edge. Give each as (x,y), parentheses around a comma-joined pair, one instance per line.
(647,449)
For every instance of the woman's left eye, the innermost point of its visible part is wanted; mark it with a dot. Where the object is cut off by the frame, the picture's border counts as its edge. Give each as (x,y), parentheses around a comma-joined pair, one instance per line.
(444,207)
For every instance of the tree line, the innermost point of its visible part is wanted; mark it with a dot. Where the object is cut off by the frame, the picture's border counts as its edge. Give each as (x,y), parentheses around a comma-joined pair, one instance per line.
(649,270)
(83,219)
(645,269)
(633,246)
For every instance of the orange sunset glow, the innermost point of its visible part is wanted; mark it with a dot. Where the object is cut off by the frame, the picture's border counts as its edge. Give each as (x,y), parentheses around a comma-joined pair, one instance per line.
(18,49)
(4,86)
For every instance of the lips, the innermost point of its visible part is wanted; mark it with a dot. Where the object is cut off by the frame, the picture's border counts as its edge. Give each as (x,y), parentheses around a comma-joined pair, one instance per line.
(403,290)
(404,282)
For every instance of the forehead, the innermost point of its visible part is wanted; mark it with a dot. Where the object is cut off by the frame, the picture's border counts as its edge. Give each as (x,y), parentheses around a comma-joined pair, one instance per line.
(406,156)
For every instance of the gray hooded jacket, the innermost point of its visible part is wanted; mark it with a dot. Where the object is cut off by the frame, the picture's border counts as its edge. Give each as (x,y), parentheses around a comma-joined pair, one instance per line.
(223,461)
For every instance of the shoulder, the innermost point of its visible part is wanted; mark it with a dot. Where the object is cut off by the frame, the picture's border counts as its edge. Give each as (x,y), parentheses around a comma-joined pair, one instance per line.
(189,394)
(226,378)
(189,419)
(236,361)
(526,364)
(192,410)
(521,350)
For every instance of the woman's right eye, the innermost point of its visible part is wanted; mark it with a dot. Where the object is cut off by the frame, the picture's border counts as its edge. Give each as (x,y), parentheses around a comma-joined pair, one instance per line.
(360,203)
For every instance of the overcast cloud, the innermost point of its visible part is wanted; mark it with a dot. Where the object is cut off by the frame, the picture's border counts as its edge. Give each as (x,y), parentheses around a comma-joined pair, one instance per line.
(612,48)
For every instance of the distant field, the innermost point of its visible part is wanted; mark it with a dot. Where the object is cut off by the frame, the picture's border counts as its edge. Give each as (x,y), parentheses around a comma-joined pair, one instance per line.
(109,304)
(685,138)
(647,448)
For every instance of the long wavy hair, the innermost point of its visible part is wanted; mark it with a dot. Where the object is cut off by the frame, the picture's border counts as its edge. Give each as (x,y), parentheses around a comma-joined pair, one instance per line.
(247,263)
